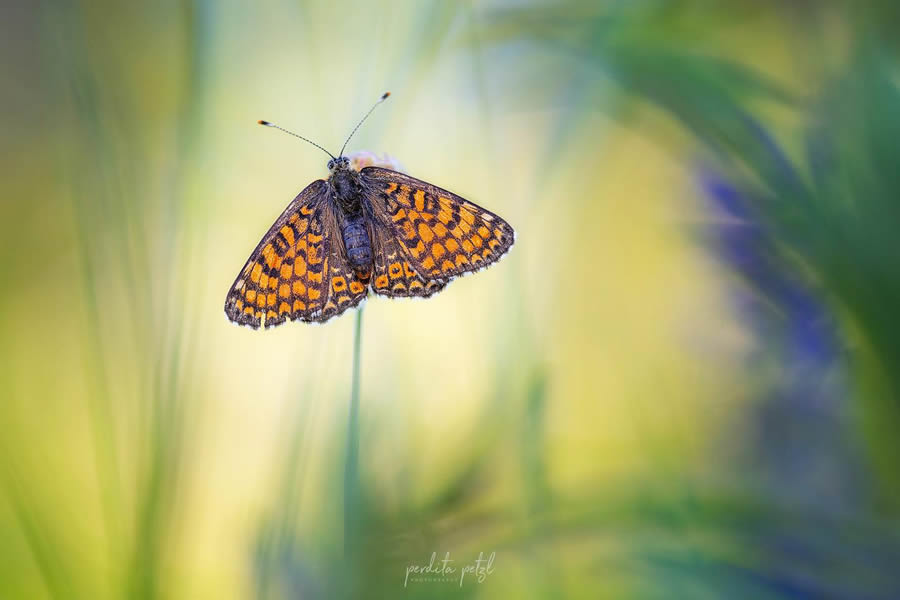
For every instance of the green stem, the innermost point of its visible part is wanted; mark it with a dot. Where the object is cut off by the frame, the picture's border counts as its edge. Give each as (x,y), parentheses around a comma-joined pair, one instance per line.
(351,467)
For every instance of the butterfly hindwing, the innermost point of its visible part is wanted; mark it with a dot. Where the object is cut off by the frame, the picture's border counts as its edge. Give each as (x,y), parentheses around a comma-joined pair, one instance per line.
(285,277)
(346,287)
(440,234)
(393,276)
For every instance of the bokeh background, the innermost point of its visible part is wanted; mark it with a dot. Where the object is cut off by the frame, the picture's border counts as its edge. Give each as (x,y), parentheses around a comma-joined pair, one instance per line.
(682,383)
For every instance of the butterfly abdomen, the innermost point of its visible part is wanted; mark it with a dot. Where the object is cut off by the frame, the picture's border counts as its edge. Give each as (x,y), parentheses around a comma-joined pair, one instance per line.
(356,241)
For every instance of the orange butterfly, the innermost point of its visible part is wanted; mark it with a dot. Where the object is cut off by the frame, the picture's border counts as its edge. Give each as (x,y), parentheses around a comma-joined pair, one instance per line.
(361,229)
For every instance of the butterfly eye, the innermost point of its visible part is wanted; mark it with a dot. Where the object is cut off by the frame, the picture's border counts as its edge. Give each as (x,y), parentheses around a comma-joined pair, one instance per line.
(346,161)
(330,164)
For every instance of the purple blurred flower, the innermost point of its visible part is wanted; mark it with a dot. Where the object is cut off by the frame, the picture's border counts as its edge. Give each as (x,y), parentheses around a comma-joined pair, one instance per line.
(802,441)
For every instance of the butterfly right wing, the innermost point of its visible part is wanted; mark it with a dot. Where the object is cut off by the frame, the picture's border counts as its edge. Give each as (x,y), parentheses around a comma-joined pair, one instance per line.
(436,234)
(286,276)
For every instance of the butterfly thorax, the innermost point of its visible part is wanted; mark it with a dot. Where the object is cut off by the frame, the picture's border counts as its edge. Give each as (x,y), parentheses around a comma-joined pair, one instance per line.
(347,192)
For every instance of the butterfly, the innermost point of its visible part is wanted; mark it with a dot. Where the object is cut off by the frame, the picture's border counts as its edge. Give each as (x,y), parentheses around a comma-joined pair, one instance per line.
(359,230)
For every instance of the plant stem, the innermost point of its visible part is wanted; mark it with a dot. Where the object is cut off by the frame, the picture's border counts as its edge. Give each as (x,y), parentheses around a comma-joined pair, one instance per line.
(351,467)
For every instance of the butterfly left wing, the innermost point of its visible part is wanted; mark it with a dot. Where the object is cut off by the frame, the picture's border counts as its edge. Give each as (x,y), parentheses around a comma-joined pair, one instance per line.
(440,235)
(295,271)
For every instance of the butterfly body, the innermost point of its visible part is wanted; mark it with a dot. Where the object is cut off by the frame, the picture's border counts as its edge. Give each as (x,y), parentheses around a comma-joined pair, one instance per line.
(346,190)
(361,230)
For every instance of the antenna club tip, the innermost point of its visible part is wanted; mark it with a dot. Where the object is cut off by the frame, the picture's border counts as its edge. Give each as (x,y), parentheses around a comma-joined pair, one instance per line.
(386,94)
(261,122)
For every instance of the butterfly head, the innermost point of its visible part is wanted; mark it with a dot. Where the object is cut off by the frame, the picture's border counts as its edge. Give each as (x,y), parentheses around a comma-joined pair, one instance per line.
(341,163)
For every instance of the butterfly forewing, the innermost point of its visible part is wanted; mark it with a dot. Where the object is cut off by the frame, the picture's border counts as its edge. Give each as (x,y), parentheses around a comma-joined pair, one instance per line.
(440,234)
(286,275)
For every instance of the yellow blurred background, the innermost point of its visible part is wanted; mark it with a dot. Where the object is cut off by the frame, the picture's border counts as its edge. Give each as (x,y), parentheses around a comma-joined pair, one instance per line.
(584,409)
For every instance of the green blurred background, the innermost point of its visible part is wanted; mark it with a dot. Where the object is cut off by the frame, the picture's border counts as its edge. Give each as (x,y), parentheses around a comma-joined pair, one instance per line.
(682,383)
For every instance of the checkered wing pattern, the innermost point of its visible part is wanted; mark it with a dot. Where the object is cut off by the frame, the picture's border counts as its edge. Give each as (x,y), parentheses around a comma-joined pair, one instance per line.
(297,271)
(436,234)
(393,275)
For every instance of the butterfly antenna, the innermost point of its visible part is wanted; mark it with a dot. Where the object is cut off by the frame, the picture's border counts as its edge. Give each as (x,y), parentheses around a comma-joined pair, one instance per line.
(380,100)
(267,124)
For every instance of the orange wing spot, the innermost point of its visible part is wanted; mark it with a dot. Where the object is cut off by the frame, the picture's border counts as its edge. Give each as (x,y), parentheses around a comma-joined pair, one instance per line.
(477,241)
(413,215)
(248,310)
(428,263)
(452,245)
(313,238)
(315,277)
(261,300)
(273,283)
(381,281)
(391,187)
(401,214)
(398,287)
(313,294)
(299,267)
(457,231)
(343,300)
(284,290)
(466,216)
(312,255)
(419,249)
(255,273)
(407,271)
(251,296)
(395,270)
(293,218)
(283,308)
(270,314)
(299,288)
(425,233)
(447,266)
(338,284)
(461,260)
(270,299)
(408,229)
(437,250)
(402,196)
(467,246)
(445,214)
(415,285)
(302,225)
(465,227)
(299,305)
(498,233)
(286,270)
(493,243)
(356,287)
(305,210)
(264,281)
(419,197)
(329,306)
(239,304)
(476,259)
(288,233)
(484,232)
(270,255)
(486,253)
